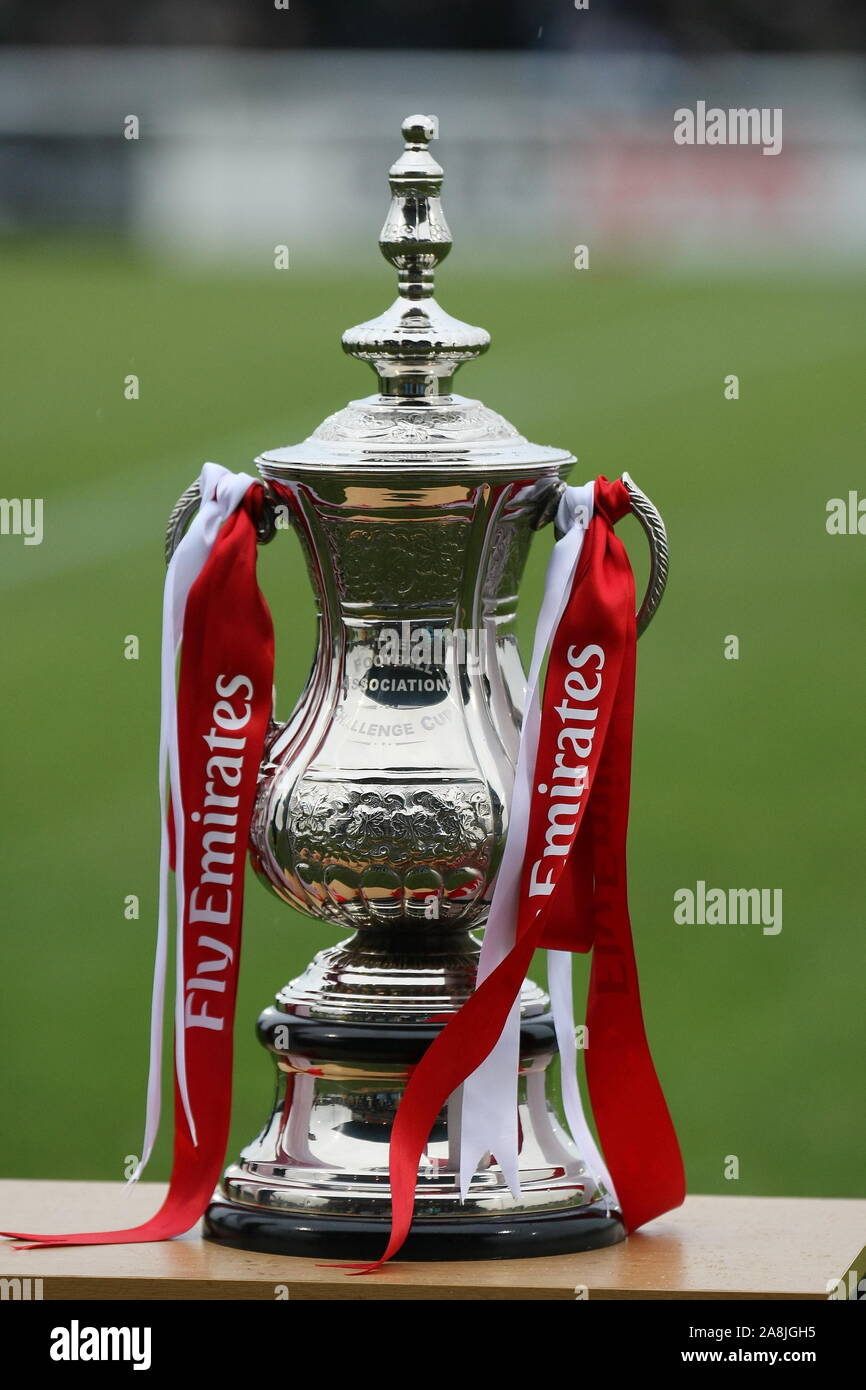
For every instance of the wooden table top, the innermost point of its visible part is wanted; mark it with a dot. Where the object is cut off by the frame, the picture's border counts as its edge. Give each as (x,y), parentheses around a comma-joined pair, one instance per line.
(711,1248)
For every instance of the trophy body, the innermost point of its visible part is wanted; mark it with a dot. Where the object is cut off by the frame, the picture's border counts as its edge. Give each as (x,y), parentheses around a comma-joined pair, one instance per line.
(383,802)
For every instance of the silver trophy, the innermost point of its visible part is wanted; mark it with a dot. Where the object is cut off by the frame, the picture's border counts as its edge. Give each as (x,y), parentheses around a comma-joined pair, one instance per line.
(383,803)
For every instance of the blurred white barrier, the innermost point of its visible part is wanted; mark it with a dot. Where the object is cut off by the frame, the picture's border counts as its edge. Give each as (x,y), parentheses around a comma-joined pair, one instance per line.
(242,151)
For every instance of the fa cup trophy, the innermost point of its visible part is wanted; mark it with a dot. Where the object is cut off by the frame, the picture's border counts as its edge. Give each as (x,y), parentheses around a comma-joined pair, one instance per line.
(383,804)
(424,789)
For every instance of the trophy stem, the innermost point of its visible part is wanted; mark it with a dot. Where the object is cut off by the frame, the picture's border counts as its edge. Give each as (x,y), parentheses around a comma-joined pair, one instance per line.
(398,974)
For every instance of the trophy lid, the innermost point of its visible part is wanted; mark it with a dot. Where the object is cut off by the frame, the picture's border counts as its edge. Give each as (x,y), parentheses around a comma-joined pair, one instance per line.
(415,348)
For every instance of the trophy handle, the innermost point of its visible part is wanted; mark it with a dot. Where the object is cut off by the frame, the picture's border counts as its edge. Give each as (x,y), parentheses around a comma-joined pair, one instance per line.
(657,537)
(188,504)
(653,528)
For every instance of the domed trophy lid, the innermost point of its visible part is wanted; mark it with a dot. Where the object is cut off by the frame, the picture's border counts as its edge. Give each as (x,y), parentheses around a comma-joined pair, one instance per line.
(415,422)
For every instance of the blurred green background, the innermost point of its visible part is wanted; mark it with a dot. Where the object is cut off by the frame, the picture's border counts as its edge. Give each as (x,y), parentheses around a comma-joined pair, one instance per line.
(748,773)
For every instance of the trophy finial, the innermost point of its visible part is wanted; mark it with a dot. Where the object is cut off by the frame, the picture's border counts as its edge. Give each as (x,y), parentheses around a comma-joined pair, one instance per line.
(418,131)
(415,347)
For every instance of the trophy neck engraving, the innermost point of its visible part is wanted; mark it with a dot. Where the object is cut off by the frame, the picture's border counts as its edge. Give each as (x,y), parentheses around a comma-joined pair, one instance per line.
(415,347)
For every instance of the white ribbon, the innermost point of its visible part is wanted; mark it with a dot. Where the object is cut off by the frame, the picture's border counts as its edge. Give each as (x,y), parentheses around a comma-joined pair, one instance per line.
(221,495)
(559,984)
(488,1103)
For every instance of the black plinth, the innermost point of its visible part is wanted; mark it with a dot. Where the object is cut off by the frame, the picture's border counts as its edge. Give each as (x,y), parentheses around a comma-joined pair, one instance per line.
(357,1238)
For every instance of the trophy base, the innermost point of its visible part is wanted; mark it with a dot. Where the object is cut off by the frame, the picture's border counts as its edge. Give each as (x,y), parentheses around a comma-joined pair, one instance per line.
(489,1238)
(345,1039)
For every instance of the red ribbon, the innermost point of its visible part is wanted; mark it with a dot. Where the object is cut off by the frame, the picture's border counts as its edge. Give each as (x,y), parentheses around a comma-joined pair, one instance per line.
(573,897)
(224,704)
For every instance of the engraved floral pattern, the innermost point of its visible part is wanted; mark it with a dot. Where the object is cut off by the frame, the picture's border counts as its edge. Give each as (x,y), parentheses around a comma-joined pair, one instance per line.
(453,825)
(458,425)
(385,563)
